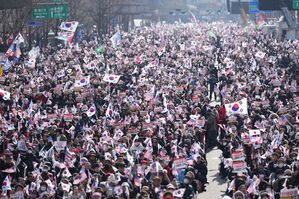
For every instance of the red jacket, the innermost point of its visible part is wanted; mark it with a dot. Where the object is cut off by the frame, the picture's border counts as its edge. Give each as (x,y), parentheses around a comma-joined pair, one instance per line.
(220,119)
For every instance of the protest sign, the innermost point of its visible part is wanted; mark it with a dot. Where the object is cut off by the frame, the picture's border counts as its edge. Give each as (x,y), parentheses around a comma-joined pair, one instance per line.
(255,136)
(239,166)
(52,116)
(59,145)
(238,155)
(68,117)
(245,138)
(180,163)
(289,193)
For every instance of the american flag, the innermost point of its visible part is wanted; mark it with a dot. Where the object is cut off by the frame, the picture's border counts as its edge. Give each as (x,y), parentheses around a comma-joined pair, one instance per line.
(81,178)
(69,158)
(150,94)
(10,52)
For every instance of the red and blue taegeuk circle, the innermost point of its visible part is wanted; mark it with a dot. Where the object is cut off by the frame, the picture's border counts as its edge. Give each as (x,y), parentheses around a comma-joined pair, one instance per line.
(68,25)
(83,80)
(235,107)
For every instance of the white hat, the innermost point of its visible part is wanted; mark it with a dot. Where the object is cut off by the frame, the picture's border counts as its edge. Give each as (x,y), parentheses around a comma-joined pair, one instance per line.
(83,160)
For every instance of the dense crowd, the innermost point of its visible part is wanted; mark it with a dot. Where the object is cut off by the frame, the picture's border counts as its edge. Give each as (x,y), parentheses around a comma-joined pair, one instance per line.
(72,129)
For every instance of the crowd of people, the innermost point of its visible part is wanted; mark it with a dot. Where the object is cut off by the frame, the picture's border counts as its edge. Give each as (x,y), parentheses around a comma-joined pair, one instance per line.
(134,117)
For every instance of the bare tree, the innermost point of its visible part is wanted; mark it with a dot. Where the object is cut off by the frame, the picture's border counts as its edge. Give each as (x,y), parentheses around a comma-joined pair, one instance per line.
(77,10)
(99,12)
(14,20)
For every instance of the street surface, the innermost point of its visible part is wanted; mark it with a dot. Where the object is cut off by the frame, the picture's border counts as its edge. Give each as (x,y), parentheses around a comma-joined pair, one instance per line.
(216,187)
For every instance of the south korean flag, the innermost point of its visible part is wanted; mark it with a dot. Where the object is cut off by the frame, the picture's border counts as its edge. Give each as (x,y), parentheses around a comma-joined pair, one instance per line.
(239,107)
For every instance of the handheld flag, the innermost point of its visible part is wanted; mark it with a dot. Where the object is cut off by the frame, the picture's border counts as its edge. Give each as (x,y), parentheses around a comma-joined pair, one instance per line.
(239,107)
(91,111)
(69,26)
(14,49)
(83,81)
(80,178)
(69,158)
(65,187)
(66,173)
(116,39)
(109,111)
(111,78)
(19,39)
(91,66)
(150,94)
(4,94)
(6,185)
(179,193)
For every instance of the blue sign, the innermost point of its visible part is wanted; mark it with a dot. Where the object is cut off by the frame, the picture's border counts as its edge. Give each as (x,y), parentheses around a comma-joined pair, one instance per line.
(34,23)
(253,7)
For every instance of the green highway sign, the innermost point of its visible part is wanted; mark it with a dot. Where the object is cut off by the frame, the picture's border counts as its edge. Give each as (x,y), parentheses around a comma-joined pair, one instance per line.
(58,11)
(296,4)
(40,13)
(57,1)
(50,12)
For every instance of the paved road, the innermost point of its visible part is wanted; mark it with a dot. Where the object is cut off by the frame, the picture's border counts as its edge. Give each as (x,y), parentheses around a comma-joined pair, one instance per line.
(216,187)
